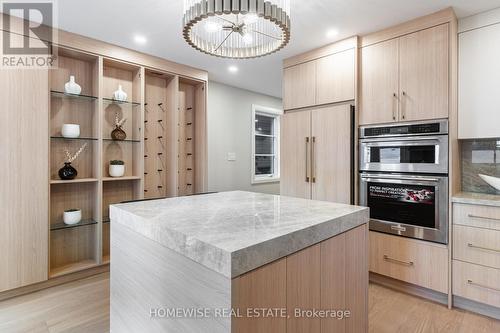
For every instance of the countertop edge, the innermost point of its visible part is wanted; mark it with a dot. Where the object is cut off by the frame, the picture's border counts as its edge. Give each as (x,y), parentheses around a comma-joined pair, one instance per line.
(476,199)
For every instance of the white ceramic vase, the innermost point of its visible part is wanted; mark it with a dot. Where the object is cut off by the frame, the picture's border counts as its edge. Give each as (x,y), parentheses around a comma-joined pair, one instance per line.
(71,217)
(70,131)
(116,170)
(71,87)
(492,181)
(120,95)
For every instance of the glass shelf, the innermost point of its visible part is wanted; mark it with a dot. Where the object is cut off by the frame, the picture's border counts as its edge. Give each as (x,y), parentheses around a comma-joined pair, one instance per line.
(110,101)
(63,95)
(126,140)
(62,225)
(63,138)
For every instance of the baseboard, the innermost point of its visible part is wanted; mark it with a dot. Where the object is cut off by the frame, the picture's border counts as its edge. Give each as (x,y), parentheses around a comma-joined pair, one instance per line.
(53,282)
(409,288)
(480,308)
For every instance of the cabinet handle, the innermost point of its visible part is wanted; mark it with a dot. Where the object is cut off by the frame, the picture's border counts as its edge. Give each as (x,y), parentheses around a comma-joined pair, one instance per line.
(313,160)
(406,263)
(393,108)
(472,216)
(403,106)
(482,286)
(482,248)
(307,159)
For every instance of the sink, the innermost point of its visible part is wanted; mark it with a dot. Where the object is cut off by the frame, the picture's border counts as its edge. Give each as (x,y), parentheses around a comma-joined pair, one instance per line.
(492,181)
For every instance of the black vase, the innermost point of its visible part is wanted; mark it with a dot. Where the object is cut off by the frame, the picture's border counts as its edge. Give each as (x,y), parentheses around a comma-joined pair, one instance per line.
(67,172)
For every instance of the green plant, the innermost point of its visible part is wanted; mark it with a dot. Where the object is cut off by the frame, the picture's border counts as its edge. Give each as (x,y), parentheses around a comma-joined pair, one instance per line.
(117,162)
(71,210)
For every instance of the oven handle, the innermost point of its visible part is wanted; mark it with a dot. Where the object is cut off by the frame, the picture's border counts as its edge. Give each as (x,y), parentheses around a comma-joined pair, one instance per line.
(403,139)
(375,177)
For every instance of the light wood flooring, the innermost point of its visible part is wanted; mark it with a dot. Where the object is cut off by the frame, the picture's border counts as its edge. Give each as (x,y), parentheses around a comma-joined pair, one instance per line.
(83,307)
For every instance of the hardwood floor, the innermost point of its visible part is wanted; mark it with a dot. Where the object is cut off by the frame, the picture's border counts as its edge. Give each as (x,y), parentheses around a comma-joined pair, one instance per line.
(83,307)
(393,311)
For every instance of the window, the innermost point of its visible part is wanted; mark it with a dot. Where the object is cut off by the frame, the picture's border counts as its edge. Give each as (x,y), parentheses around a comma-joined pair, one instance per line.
(265,144)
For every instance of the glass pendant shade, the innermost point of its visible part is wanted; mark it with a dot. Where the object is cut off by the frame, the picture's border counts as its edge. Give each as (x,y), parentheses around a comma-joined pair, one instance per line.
(237,29)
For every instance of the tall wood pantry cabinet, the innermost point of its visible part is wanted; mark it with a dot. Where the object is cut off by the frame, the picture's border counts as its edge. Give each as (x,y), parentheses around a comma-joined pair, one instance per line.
(316,153)
(406,78)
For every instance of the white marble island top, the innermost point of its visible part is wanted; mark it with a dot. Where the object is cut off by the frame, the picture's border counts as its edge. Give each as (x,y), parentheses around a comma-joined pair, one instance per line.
(235,232)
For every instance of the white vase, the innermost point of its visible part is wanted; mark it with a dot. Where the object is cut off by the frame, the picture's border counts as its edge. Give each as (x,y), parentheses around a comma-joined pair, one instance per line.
(120,95)
(116,170)
(72,217)
(71,87)
(70,131)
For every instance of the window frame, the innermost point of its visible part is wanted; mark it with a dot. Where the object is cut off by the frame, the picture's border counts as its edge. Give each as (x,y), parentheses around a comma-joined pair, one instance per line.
(276,114)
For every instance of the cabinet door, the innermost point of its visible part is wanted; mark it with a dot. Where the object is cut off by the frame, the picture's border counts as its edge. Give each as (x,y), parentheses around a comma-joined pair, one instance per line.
(303,289)
(24,190)
(299,86)
(331,154)
(295,154)
(335,78)
(379,83)
(424,71)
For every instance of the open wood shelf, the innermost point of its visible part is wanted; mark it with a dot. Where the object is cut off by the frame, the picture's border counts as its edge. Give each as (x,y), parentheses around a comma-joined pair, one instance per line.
(72,268)
(69,139)
(124,178)
(73,181)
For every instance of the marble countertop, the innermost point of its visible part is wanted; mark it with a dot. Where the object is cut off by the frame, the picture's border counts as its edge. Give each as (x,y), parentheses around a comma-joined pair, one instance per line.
(477,199)
(235,232)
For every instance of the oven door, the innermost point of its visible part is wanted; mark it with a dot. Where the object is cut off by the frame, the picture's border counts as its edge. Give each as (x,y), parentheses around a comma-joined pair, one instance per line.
(426,154)
(407,205)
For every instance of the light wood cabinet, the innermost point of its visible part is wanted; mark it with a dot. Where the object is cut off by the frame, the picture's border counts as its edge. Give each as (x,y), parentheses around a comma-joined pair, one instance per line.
(335,78)
(379,83)
(406,78)
(424,68)
(475,282)
(331,275)
(295,154)
(316,154)
(24,197)
(421,263)
(331,154)
(299,86)
(328,79)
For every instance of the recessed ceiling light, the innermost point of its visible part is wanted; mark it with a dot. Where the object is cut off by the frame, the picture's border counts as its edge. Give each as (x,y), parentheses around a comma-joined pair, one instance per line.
(232,69)
(139,39)
(332,33)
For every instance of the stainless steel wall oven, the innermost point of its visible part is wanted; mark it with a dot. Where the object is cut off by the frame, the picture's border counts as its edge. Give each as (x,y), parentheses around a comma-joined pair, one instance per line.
(404,179)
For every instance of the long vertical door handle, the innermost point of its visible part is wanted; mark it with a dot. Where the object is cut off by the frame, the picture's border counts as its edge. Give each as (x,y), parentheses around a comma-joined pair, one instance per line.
(394,106)
(307,159)
(403,106)
(313,160)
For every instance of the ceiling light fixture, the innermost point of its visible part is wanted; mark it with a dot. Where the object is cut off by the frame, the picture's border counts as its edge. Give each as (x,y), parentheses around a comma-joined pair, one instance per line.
(139,39)
(237,29)
(332,33)
(233,69)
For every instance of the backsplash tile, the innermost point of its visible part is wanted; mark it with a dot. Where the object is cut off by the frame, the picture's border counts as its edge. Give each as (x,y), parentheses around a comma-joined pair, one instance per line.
(480,157)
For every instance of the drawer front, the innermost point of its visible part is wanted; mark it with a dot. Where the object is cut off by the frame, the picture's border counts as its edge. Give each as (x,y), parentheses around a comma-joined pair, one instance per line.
(417,262)
(477,283)
(476,216)
(476,246)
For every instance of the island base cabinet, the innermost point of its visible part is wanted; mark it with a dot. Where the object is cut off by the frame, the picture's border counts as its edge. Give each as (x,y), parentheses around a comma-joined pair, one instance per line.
(323,288)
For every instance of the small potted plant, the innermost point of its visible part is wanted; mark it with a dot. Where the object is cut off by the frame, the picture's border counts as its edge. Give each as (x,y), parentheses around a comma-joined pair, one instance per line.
(118,133)
(72,216)
(116,168)
(67,172)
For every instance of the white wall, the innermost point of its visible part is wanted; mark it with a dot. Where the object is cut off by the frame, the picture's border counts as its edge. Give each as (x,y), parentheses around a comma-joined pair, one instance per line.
(229,131)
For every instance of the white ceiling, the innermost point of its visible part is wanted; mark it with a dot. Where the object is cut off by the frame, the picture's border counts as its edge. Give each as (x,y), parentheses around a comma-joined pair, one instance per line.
(117,21)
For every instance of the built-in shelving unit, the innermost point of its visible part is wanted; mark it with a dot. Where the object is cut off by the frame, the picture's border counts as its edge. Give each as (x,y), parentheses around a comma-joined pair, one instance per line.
(163,152)
(74,247)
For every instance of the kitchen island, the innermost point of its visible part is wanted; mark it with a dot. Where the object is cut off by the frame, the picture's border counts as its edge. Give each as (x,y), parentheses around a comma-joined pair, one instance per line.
(238,262)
